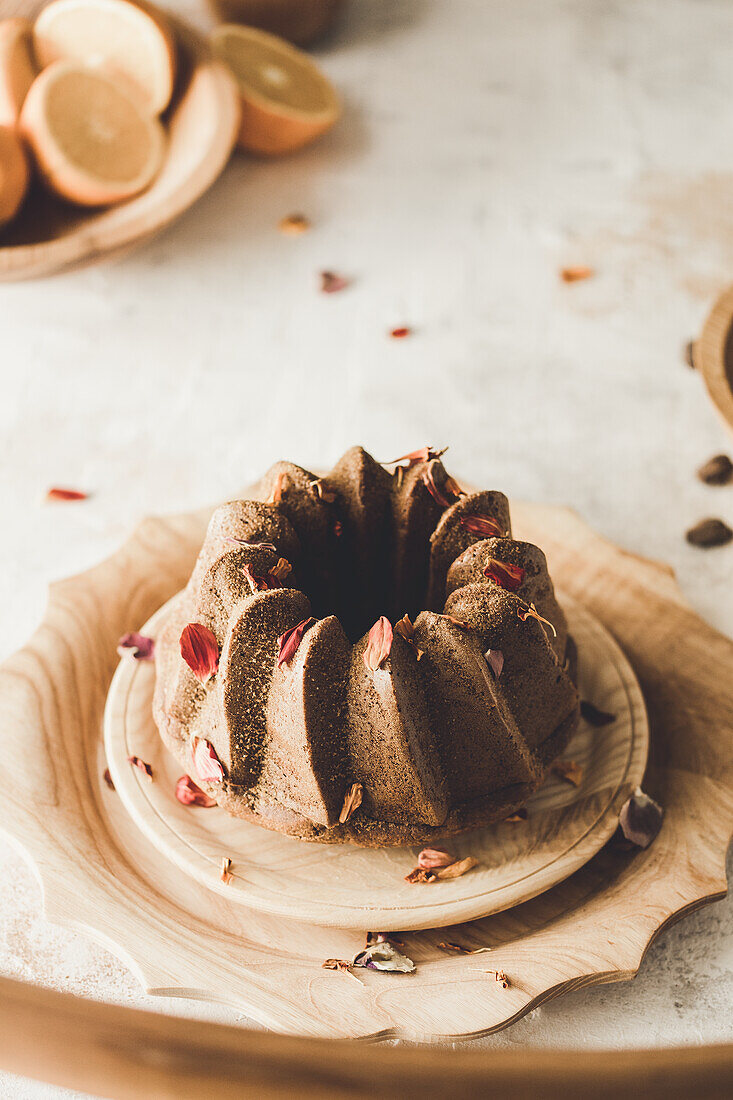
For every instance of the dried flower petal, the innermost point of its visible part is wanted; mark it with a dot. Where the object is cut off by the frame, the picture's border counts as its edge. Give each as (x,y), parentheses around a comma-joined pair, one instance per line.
(290,641)
(225,873)
(145,768)
(384,956)
(594,716)
(338,528)
(507,576)
(640,819)
(718,470)
(66,495)
(319,490)
(483,526)
(440,495)
(141,647)
(280,572)
(495,660)
(460,623)
(459,949)
(430,858)
(574,274)
(455,870)
(190,794)
(381,937)
(709,532)
(419,875)
(424,454)
(206,763)
(336,964)
(251,545)
(400,333)
(568,770)
(294,225)
(379,644)
(352,802)
(406,630)
(531,612)
(518,815)
(278,489)
(200,650)
(108,779)
(331,283)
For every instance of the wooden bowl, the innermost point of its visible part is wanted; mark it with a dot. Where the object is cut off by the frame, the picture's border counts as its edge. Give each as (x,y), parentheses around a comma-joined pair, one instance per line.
(712,355)
(50,236)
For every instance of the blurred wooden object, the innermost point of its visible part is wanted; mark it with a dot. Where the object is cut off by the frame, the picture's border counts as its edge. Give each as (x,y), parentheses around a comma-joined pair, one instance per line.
(712,355)
(302,22)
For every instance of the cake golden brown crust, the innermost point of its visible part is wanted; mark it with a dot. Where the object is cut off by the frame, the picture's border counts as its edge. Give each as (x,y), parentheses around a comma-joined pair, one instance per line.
(331,719)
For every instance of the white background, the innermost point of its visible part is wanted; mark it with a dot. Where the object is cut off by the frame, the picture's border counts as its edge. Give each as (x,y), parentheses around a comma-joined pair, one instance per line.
(485,144)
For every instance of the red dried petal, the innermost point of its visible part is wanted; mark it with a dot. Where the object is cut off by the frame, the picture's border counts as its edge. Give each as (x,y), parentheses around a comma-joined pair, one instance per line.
(206,763)
(505,575)
(190,794)
(338,528)
(290,640)
(200,650)
(141,647)
(400,333)
(66,494)
(431,858)
(144,767)
(574,274)
(331,283)
(379,644)
(460,623)
(352,802)
(108,779)
(425,454)
(483,526)
(450,489)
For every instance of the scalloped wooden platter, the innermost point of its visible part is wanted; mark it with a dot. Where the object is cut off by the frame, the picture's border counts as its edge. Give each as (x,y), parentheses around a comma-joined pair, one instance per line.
(340,885)
(712,355)
(100,873)
(50,236)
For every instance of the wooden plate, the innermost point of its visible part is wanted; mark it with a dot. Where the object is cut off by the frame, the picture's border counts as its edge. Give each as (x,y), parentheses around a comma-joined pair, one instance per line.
(344,886)
(101,874)
(50,236)
(713,355)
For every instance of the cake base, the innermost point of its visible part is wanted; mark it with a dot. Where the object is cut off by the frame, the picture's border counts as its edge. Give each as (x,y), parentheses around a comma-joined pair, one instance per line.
(351,887)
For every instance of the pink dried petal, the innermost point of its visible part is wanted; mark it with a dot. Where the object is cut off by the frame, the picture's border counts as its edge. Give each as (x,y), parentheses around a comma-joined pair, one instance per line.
(206,763)
(108,779)
(331,283)
(640,819)
(379,644)
(450,488)
(290,641)
(414,458)
(200,650)
(141,647)
(190,794)
(352,802)
(509,577)
(66,494)
(430,858)
(400,333)
(483,526)
(144,767)
(406,630)
(495,660)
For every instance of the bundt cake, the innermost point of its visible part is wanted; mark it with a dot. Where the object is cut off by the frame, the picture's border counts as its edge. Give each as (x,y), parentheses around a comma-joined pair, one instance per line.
(366,657)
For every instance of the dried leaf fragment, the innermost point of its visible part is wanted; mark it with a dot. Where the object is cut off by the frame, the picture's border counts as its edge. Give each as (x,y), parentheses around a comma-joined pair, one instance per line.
(576,273)
(294,225)
(640,819)
(506,575)
(495,660)
(331,283)
(107,776)
(200,651)
(718,470)
(142,765)
(420,875)
(290,641)
(336,964)
(459,949)
(455,870)
(320,491)
(569,770)
(280,571)
(708,533)
(384,956)
(190,794)
(594,715)
(379,644)
(531,612)
(483,526)
(61,495)
(225,873)
(406,630)
(352,802)
(137,645)
(206,763)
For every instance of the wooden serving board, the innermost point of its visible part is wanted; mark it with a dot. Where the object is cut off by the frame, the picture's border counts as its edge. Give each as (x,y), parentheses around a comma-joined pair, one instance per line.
(341,885)
(101,874)
(713,355)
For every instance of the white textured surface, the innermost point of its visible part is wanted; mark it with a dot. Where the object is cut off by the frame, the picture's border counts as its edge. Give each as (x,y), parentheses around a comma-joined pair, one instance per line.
(484,146)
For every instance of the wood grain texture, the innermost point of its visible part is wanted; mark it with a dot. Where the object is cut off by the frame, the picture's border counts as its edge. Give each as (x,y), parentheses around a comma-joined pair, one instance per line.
(50,236)
(709,355)
(359,888)
(594,927)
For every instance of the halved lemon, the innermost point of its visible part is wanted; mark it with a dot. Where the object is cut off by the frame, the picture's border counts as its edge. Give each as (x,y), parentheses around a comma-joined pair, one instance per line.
(93,142)
(14,174)
(17,68)
(127,40)
(286,99)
